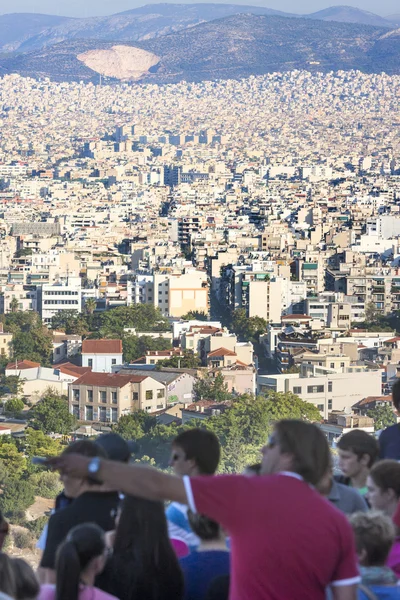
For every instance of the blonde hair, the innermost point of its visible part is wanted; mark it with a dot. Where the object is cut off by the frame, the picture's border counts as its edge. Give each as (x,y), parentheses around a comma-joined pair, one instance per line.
(375,533)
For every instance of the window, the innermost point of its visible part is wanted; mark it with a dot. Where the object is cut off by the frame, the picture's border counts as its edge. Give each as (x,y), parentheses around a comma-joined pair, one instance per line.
(75,411)
(90,395)
(75,395)
(148,408)
(135,396)
(315,389)
(90,362)
(103,397)
(89,413)
(58,350)
(161,393)
(330,385)
(329,404)
(113,361)
(149,394)
(320,407)
(114,397)
(103,414)
(160,405)
(342,365)
(3,351)
(332,365)
(114,415)
(297,390)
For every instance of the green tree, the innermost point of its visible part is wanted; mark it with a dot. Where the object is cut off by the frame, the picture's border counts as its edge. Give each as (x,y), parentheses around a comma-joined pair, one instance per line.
(14,305)
(135,347)
(70,321)
(18,495)
(135,425)
(195,315)
(247,328)
(14,406)
(46,484)
(37,443)
(35,345)
(142,317)
(383,416)
(13,461)
(51,415)
(11,384)
(189,360)
(211,388)
(90,305)
(23,252)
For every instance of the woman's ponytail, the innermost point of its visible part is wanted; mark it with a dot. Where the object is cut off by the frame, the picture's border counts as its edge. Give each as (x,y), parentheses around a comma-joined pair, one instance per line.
(68,572)
(83,544)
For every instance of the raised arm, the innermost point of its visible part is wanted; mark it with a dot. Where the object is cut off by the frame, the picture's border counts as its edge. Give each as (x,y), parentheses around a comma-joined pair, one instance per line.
(135,480)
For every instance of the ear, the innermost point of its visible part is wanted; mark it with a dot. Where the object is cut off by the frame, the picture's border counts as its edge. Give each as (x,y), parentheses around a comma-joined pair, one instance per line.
(362,557)
(391,495)
(365,460)
(98,563)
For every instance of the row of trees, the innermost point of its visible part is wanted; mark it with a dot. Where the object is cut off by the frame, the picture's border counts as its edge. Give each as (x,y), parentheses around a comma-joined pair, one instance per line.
(242,429)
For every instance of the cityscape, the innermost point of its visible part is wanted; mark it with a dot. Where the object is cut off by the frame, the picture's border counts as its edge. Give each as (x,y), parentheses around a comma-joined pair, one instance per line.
(213,253)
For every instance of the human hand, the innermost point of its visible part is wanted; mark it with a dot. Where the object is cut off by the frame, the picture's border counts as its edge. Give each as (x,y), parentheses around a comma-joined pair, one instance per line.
(74,465)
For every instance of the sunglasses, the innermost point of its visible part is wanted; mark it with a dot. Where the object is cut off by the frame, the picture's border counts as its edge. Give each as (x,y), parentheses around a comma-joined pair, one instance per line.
(272,441)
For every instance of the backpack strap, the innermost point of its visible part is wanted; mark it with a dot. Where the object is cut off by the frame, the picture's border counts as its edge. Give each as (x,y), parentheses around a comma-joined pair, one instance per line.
(367,592)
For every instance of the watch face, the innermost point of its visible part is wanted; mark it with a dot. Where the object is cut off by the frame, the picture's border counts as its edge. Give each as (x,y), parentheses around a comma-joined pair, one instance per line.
(93,465)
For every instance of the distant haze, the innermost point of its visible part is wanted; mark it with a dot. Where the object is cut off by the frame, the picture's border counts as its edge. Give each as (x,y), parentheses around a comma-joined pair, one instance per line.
(89,8)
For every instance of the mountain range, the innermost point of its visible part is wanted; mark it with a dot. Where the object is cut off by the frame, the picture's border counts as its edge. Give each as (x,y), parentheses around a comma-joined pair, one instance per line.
(172,42)
(29,31)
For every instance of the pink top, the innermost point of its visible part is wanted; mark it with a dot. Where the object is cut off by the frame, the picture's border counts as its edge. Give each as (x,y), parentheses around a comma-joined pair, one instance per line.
(394,557)
(48,592)
(181,549)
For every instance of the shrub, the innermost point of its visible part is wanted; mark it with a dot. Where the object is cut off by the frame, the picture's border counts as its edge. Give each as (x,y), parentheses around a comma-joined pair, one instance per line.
(23,539)
(46,484)
(36,526)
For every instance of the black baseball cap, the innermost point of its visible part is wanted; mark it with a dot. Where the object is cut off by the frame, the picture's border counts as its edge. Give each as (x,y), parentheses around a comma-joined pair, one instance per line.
(116,447)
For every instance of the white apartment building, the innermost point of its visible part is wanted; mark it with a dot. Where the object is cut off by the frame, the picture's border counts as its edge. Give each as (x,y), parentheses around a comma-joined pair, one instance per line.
(53,298)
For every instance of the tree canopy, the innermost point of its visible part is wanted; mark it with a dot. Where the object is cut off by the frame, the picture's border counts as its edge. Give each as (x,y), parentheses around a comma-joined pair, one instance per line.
(51,414)
(383,416)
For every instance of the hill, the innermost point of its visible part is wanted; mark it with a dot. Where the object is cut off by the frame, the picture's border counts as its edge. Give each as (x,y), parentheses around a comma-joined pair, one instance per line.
(233,47)
(28,32)
(15,28)
(349,14)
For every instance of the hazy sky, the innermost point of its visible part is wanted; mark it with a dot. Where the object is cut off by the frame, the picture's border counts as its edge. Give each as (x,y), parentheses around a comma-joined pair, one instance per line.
(87,8)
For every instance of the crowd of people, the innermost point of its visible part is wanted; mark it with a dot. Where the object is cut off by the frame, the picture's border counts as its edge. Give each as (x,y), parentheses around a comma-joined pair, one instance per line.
(288,528)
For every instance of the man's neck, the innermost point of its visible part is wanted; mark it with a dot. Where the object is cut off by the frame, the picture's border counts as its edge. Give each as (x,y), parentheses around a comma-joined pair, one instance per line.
(207,545)
(360,480)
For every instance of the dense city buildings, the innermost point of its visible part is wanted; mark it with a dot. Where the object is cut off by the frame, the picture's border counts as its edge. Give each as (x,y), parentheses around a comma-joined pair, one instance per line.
(274,198)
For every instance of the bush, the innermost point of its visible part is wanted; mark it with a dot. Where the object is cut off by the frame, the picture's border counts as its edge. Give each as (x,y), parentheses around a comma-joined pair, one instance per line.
(23,539)
(17,496)
(36,526)
(46,484)
(17,517)
(14,406)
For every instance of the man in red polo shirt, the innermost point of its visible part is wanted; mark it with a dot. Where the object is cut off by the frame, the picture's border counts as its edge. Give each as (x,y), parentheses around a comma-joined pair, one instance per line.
(288,543)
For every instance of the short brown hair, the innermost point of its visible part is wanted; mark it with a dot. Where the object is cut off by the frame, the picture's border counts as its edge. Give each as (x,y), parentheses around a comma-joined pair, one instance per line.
(202,446)
(386,475)
(360,442)
(308,446)
(85,448)
(375,533)
(203,527)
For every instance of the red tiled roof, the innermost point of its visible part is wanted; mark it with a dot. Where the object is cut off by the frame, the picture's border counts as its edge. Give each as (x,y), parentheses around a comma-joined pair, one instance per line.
(221,352)
(23,364)
(394,339)
(72,368)
(102,347)
(292,317)
(108,379)
(171,352)
(370,399)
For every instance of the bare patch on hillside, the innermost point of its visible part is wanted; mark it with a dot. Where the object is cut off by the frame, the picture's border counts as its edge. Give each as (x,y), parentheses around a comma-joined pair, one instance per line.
(121,62)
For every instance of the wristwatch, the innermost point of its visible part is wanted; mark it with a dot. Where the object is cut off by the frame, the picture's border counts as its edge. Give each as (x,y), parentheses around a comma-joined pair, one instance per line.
(94,468)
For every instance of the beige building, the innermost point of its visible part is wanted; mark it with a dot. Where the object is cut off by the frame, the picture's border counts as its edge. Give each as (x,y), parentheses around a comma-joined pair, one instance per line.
(265,300)
(5,342)
(328,391)
(105,397)
(178,294)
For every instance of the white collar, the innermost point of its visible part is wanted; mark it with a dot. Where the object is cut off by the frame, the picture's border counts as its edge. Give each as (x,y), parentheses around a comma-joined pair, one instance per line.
(291,474)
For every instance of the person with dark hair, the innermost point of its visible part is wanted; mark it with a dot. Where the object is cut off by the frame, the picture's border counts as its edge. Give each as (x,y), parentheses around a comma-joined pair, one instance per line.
(342,496)
(389,439)
(194,452)
(143,564)
(252,470)
(358,450)
(287,541)
(27,585)
(374,534)
(8,585)
(384,495)
(79,559)
(91,504)
(210,560)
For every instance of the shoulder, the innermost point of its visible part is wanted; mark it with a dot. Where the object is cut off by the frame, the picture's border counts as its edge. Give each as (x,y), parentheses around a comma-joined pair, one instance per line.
(391,431)
(47,592)
(100,595)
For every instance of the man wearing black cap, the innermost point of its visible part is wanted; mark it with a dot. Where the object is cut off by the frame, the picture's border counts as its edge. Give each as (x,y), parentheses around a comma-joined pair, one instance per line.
(91,502)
